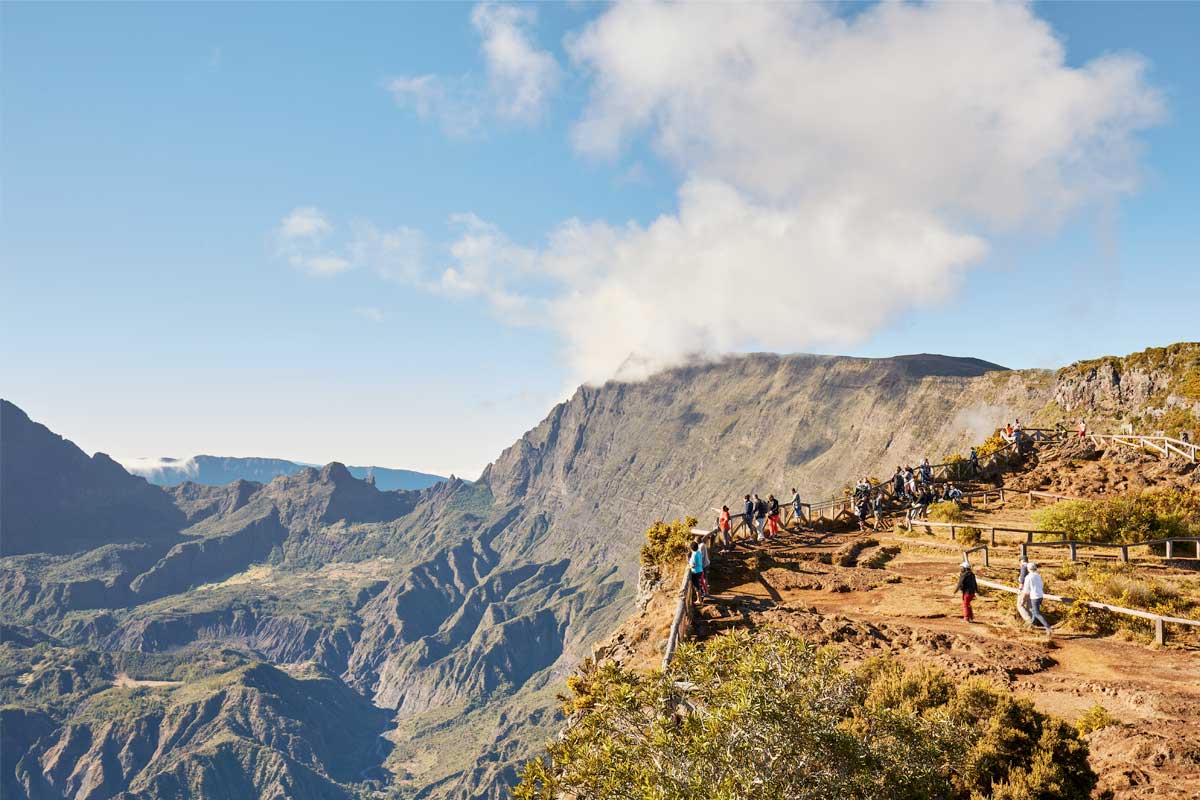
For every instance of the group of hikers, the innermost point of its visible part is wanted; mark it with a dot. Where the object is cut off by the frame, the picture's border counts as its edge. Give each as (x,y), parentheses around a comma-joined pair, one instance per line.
(762,522)
(1031,590)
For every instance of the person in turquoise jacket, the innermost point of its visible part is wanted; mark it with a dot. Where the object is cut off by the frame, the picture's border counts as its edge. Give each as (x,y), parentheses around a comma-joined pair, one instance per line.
(696,570)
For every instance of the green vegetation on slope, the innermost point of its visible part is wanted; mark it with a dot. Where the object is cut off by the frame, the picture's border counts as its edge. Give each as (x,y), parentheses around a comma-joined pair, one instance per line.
(1153,514)
(767,715)
(668,542)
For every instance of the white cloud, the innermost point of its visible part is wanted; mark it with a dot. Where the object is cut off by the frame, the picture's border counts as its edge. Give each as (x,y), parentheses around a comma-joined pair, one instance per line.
(304,223)
(836,172)
(370,313)
(152,468)
(452,103)
(521,78)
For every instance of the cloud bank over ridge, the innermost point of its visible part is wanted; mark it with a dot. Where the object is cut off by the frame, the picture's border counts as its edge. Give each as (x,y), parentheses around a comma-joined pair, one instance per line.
(835,172)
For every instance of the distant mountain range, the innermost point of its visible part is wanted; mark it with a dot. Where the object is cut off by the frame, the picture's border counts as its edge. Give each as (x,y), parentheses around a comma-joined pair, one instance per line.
(221,470)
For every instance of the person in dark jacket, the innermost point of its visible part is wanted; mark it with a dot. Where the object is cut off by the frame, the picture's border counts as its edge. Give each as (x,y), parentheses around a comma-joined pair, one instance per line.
(898,483)
(772,515)
(968,587)
(760,515)
(748,516)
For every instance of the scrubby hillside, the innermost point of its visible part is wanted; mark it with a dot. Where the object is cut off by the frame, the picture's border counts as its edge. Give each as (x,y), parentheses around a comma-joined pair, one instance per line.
(458,608)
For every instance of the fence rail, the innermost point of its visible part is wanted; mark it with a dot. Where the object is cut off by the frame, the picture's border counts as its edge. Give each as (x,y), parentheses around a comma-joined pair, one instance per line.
(1159,620)
(1071,544)
(1165,445)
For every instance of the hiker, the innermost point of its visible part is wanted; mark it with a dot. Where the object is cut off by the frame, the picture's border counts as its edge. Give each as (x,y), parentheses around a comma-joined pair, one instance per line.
(1082,429)
(926,471)
(923,500)
(1008,429)
(910,483)
(877,507)
(696,570)
(1033,590)
(748,517)
(973,462)
(898,484)
(772,515)
(860,511)
(968,587)
(723,525)
(954,494)
(706,561)
(760,515)
(796,515)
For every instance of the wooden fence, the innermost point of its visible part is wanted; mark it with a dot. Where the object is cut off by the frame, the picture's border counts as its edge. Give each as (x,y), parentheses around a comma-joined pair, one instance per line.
(1160,621)
(1168,544)
(1164,445)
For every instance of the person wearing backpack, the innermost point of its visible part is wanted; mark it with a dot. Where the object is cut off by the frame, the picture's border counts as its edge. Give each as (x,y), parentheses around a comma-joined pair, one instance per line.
(968,587)
(760,516)
(797,517)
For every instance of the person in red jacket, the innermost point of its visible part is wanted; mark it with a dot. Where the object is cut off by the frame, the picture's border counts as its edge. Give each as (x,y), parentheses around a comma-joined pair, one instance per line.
(723,525)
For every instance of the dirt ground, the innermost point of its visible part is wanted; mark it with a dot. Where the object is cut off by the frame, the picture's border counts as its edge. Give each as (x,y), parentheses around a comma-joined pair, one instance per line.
(875,593)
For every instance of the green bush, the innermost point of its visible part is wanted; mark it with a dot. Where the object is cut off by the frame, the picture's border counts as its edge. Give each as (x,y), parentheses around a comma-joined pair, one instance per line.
(768,715)
(668,541)
(1154,514)
(946,512)
(1094,719)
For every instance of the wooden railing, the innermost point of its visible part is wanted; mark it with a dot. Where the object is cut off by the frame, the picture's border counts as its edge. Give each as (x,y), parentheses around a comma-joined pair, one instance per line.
(683,605)
(1165,445)
(1072,545)
(1159,620)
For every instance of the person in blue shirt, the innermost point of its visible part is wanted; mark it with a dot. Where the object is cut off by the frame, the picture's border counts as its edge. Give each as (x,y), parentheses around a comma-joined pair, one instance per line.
(696,570)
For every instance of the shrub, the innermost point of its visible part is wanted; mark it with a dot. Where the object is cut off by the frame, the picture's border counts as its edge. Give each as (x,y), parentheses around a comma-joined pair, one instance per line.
(668,541)
(1094,719)
(946,512)
(768,715)
(991,445)
(1153,514)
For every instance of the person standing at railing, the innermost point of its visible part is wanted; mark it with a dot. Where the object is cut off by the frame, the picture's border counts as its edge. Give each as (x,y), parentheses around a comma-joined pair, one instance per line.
(696,570)
(760,516)
(748,516)
(1082,429)
(968,587)
(898,484)
(772,516)
(877,507)
(926,471)
(973,462)
(1034,591)
(796,515)
(724,523)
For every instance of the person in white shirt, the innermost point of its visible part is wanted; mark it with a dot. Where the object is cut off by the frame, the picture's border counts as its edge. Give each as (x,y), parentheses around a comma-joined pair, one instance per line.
(1033,590)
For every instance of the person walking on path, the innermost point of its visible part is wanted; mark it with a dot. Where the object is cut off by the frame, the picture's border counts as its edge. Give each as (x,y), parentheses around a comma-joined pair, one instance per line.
(973,461)
(696,570)
(877,507)
(796,515)
(898,484)
(706,561)
(1034,591)
(723,525)
(748,516)
(926,471)
(1022,607)
(968,588)
(772,515)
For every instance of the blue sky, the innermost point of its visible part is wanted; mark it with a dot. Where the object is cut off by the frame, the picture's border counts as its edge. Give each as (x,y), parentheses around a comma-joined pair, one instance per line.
(152,154)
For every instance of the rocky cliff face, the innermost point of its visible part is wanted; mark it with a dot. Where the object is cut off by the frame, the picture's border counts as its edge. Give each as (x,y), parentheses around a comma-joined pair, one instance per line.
(457,609)
(1155,389)
(57,500)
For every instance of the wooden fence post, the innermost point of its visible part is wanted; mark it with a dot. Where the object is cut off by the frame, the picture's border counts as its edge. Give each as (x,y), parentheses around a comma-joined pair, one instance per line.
(1073,546)
(993,536)
(1125,553)
(1024,552)
(1170,549)
(1160,632)
(953,538)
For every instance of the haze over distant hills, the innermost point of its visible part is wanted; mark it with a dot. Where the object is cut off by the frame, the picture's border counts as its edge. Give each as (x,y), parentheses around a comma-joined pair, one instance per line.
(221,470)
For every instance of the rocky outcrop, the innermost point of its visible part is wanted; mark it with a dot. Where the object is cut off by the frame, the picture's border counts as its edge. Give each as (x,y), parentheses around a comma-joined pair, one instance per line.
(199,561)
(57,500)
